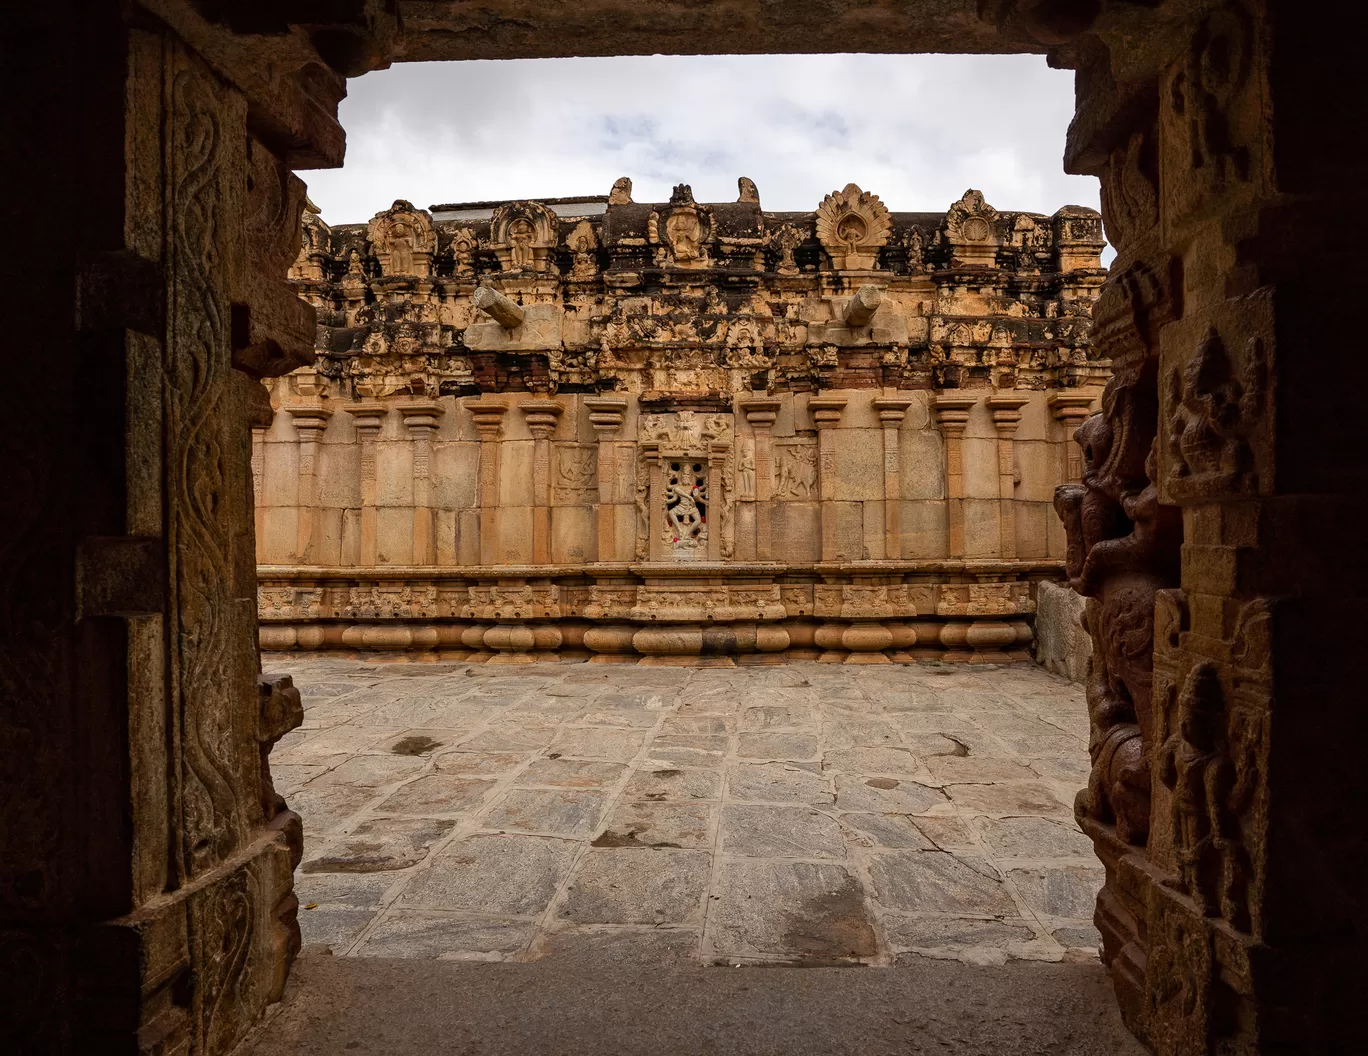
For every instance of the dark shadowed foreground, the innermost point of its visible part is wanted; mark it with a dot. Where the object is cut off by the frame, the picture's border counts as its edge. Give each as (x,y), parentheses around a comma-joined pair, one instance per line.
(606,997)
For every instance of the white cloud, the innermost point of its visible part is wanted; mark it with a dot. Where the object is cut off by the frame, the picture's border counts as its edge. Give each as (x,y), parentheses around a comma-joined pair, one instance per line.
(917,130)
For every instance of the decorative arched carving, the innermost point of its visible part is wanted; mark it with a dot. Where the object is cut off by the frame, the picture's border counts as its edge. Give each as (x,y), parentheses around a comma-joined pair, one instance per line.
(853,225)
(971,230)
(403,240)
(523,236)
(681,231)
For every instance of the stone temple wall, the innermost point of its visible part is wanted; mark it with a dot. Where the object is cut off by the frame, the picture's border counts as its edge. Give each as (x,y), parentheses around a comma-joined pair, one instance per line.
(679,432)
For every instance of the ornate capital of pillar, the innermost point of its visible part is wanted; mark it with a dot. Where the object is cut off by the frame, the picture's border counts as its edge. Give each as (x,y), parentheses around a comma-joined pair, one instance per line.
(310,419)
(892,410)
(369,417)
(421,417)
(1006,413)
(1071,408)
(952,413)
(541,416)
(760,413)
(488,418)
(826,410)
(605,414)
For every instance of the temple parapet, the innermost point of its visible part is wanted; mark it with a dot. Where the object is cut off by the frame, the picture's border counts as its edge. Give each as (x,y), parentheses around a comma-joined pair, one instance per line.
(679,432)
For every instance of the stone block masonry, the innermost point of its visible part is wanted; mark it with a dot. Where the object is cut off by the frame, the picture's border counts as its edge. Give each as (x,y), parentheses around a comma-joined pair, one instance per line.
(678,433)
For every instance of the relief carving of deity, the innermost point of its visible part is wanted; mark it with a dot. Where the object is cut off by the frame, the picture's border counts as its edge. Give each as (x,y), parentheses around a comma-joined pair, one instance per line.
(686,505)
(797,472)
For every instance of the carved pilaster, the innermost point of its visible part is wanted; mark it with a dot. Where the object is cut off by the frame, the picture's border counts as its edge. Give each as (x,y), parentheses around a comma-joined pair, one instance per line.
(605,415)
(369,418)
(1006,412)
(310,422)
(826,414)
(892,410)
(421,418)
(718,453)
(761,415)
(541,418)
(1071,409)
(489,418)
(952,416)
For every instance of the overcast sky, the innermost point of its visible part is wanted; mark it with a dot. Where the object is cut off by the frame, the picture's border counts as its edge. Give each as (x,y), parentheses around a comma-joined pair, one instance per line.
(916,130)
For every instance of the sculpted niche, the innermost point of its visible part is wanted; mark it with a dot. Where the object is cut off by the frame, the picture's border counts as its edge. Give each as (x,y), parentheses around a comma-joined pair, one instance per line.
(853,225)
(403,240)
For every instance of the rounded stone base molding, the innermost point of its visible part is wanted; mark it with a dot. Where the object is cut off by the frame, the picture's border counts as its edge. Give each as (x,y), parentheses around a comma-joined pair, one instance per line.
(850,641)
(988,639)
(866,641)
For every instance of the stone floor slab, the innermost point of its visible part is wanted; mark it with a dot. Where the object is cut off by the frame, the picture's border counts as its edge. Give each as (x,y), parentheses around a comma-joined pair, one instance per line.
(379,845)
(409,934)
(497,875)
(632,886)
(553,811)
(766,831)
(939,882)
(806,813)
(798,911)
(680,825)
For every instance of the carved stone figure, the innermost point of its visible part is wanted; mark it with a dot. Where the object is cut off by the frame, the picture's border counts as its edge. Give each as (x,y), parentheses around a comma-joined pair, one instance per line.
(681,231)
(745,474)
(686,498)
(784,241)
(748,191)
(621,194)
(1120,571)
(463,246)
(852,226)
(971,230)
(523,236)
(583,244)
(403,240)
(1213,412)
(796,471)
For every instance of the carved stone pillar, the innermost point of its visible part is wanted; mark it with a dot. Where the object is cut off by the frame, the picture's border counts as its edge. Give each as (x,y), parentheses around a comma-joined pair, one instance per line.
(605,415)
(421,417)
(826,414)
(718,451)
(310,421)
(892,410)
(1006,417)
(489,424)
(369,417)
(952,415)
(655,496)
(1071,409)
(258,472)
(761,415)
(541,418)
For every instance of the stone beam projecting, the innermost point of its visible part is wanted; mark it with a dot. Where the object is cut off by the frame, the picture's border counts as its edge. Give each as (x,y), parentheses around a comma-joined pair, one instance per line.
(679,432)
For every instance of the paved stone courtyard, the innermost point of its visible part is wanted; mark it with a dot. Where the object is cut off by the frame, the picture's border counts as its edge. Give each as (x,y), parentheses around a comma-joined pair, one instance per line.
(807,813)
